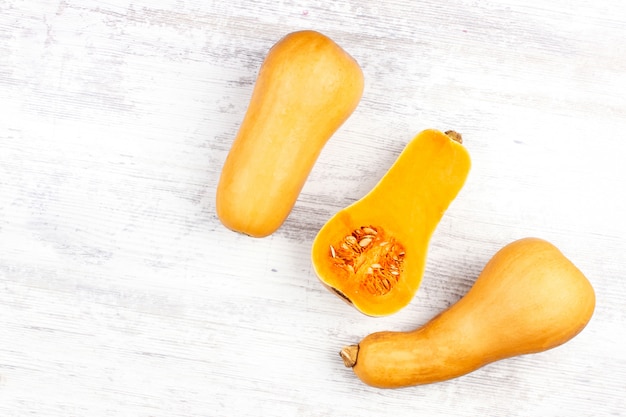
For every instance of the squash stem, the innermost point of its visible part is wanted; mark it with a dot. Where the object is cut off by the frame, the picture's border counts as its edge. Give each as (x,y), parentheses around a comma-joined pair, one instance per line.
(455,136)
(349,355)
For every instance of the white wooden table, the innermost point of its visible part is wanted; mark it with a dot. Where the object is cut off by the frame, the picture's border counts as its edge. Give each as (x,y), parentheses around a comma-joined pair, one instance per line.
(121,294)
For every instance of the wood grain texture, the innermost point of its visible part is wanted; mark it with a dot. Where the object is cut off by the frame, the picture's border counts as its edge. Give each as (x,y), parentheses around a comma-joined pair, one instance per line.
(122,294)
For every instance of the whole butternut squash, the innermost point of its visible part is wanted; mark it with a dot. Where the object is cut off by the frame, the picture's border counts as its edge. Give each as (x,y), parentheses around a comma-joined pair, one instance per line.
(373,252)
(306,88)
(529,298)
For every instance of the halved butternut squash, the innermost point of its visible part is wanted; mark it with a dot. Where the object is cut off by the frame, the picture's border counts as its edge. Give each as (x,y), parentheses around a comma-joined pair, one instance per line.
(373,252)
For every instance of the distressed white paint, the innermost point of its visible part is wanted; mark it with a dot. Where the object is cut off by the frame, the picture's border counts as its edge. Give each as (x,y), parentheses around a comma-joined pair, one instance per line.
(122,294)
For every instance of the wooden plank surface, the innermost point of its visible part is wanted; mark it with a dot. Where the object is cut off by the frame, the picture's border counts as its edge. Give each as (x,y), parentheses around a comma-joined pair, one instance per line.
(121,294)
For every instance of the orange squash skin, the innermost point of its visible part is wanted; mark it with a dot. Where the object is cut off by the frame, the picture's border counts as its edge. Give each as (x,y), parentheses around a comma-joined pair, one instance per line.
(529,298)
(305,90)
(404,207)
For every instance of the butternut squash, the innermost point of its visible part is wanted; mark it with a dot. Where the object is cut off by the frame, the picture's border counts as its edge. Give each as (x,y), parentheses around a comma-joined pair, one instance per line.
(529,298)
(373,252)
(306,88)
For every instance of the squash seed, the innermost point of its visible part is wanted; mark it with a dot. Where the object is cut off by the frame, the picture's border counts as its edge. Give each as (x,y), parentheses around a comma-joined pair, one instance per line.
(369,230)
(364,242)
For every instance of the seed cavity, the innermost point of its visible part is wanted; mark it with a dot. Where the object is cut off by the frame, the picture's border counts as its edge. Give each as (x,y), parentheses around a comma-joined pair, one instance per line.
(370,257)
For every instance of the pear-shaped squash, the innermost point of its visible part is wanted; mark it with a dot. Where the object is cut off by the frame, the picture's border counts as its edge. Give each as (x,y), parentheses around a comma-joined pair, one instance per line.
(529,298)
(373,252)
(306,88)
